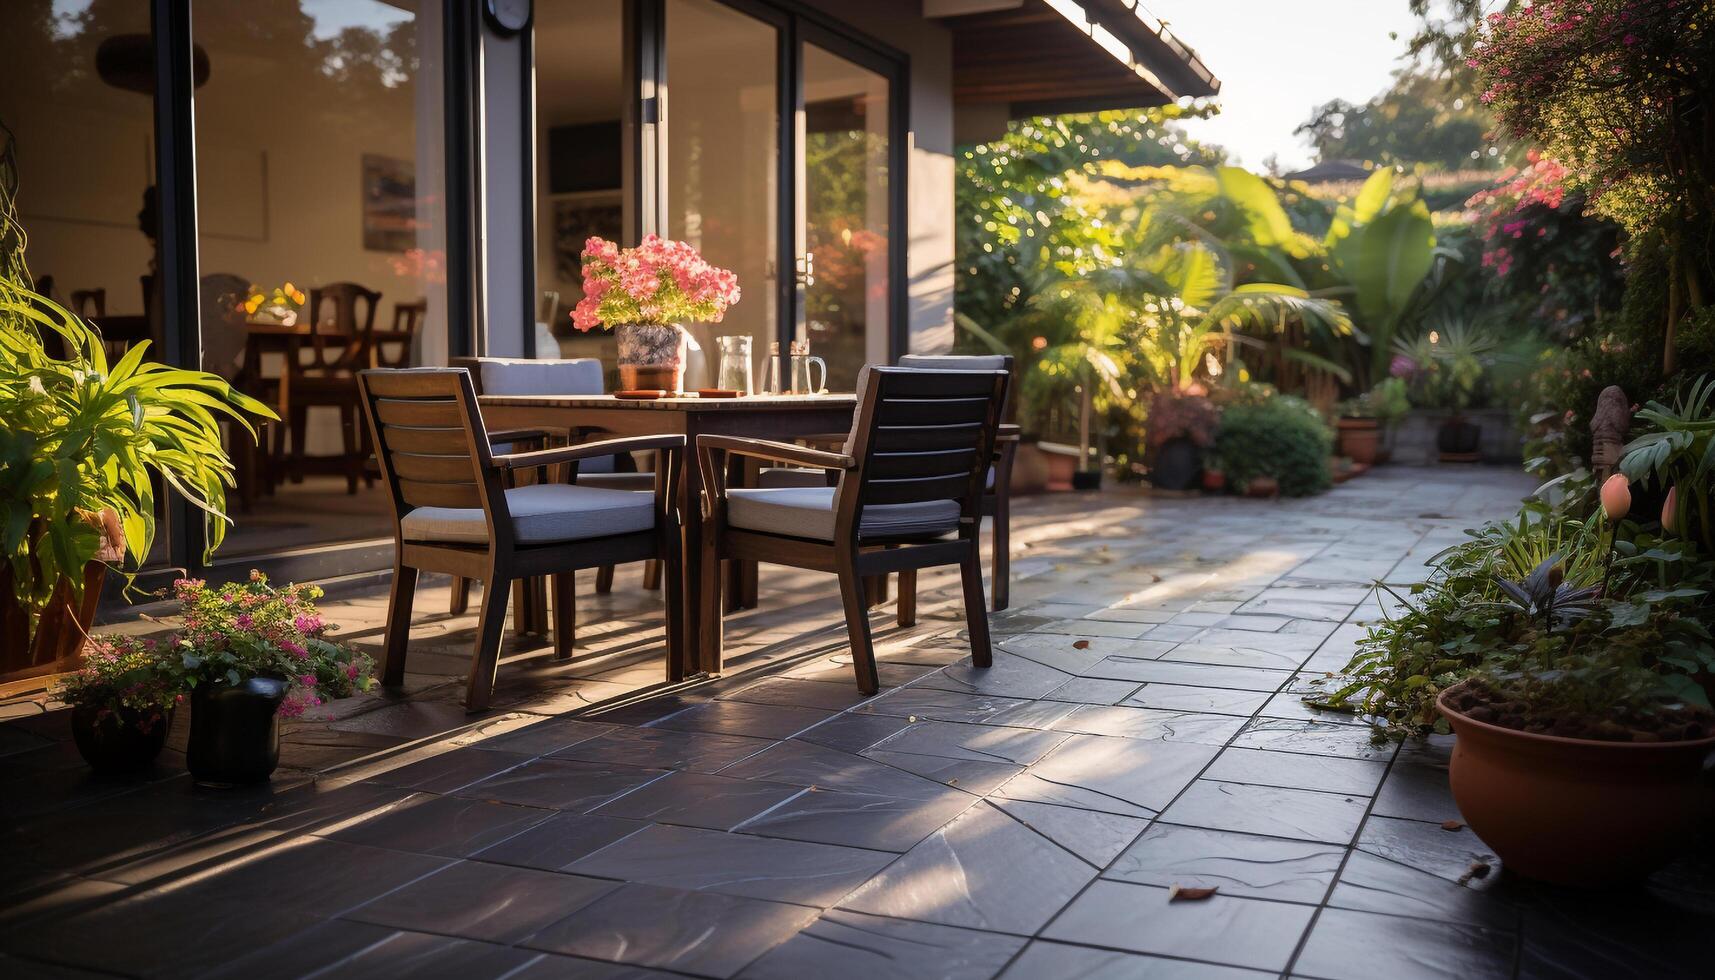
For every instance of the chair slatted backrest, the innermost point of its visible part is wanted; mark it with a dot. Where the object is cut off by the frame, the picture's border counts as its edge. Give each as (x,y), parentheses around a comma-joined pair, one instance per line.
(922,436)
(341,333)
(967,362)
(431,442)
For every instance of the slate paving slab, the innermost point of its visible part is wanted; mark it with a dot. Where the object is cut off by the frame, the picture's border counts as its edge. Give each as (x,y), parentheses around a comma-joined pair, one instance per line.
(1328,774)
(561,784)
(1151,723)
(489,902)
(660,749)
(1111,775)
(1348,945)
(1270,810)
(560,841)
(1095,837)
(1224,929)
(1057,961)
(1237,864)
(443,825)
(844,945)
(882,823)
(693,799)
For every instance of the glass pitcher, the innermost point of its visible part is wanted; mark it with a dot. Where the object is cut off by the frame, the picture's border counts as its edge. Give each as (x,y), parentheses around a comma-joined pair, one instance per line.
(735,364)
(802,370)
(771,383)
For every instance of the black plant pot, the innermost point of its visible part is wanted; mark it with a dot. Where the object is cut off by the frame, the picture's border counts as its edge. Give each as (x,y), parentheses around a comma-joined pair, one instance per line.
(1087,479)
(1178,465)
(235,731)
(117,744)
(1459,437)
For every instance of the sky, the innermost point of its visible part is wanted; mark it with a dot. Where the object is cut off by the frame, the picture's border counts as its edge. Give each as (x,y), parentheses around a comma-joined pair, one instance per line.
(1277,61)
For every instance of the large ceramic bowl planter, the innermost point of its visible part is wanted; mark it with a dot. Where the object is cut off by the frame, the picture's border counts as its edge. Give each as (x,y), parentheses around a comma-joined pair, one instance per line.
(1578,811)
(115,742)
(651,357)
(1459,440)
(1360,439)
(235,731)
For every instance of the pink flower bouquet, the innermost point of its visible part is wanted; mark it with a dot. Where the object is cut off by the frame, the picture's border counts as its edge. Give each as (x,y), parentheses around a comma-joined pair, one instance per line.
(659,282)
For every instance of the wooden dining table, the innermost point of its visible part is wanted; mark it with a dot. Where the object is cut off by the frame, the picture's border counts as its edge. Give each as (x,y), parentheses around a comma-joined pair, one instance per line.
(778,417)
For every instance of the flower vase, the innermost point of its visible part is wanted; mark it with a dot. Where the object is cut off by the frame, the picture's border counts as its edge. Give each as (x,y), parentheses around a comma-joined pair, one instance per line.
(651,357)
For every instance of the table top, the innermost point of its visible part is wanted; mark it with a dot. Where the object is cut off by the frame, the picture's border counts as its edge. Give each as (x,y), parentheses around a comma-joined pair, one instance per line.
(691,403)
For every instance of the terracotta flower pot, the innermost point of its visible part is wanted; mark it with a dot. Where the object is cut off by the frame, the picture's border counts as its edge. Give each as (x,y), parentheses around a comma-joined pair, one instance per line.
(1578,811)
(1214,481)
(1263,486)
(1360,439)
(651,357)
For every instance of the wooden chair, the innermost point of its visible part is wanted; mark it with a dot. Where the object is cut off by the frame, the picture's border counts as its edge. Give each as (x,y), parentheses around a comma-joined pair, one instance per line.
(454,514)
(910,484)
(342,340)
(392,348)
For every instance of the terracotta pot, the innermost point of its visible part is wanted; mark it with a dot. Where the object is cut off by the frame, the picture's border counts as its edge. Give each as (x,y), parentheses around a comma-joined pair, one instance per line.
(1578,811)
(1263,486)
(55,645)
(651,357)
(1214,481)
(1061,467)
(1030,466)
(1360,439)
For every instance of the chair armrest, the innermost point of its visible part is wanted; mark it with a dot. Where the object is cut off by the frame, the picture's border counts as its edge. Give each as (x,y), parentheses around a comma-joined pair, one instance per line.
(1008,432)
(780,452)
(524,435)
(587,450)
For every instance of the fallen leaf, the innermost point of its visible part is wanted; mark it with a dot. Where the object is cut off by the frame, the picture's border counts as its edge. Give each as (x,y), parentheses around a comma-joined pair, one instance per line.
(1452,825)
(1181,893)
(1478,870)
(1081,645)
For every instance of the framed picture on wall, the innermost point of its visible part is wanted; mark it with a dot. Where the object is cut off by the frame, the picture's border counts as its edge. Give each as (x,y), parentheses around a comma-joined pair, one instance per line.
(389,203)
(576,218)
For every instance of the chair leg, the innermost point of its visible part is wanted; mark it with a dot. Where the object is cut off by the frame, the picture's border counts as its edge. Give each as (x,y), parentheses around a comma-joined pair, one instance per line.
(711,612)
(485,661)
(565,614)
(604,579)
(1000,543)
(652,574)
(857,624)
(976,614)
(398,634)
(876,590)
(908,598)
(529,612)
(300,426)
(348,438)
(459,602)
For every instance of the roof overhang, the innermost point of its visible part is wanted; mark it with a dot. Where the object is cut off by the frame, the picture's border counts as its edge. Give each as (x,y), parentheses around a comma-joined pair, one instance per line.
(1038,57)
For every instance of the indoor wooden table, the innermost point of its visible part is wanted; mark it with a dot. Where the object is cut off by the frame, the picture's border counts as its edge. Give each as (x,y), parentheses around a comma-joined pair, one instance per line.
(779,417)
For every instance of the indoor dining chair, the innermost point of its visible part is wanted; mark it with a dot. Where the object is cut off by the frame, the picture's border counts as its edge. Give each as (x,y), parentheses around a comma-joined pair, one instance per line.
(455,514)
(908,495)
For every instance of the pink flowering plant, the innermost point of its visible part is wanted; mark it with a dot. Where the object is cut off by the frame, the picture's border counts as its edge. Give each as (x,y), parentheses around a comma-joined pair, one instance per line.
(124,676)
(236,631)
(658,282)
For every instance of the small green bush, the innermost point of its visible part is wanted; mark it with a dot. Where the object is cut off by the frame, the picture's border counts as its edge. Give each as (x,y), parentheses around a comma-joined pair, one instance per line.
(1282,437)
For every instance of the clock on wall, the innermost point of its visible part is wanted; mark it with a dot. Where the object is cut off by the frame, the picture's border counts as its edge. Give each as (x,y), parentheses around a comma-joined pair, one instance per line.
(509,16)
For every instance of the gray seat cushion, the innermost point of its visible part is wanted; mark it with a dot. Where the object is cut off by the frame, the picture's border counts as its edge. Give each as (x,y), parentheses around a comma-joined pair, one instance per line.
(800,476)
(808,512)
(541,514)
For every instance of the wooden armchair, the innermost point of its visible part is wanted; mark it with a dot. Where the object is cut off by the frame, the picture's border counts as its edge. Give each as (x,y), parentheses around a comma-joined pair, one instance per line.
(453,512)
(342,340)
(910,485)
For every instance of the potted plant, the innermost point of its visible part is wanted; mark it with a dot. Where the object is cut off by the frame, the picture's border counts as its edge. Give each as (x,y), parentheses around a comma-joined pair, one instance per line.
(646,293)
(85,446)
(122,702)
(1449,363)
(1366,421)
(1214,473)
(1182,425)
(1274,444)
(251,654)
(1582,745)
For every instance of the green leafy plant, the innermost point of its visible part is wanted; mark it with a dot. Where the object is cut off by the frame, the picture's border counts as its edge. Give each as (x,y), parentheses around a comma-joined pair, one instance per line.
(236,631)
(1678,457)
(81,438)
(1280,437)
(126,676)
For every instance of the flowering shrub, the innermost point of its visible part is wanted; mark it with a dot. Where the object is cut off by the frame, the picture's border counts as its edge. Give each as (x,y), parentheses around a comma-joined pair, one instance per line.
(237,631)
(125,675)
(659,282)
(1174,415)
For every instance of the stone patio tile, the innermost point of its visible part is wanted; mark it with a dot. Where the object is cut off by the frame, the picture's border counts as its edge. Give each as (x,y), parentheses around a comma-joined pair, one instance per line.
(660,749)
(1327,774)
(1427,847)
(446,825)
(1095,837)
(449,771)
(844,945)
(1312,738)
(741,718)
(544,737)
(1257,654)
(703,933)
(1073,654)
(793,692)
(979,778)
(978,743)
(838,670)
(1151,723)
(1092,690)
(1007,879)
(320,947)
(1290,705)
(807,765)
(1348,945)
(861,820)
(1237,864)
(1216,700)
(490,902)
(1268,810)
(916,702)
(1225,929)
(1010,676)
(562,784)
(1111,775)
(1191,675)
(1058,961)
(694,799)
(852,732)
(1372,884)
(735,864)
(560,841)
(550,966)
(1121,614)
